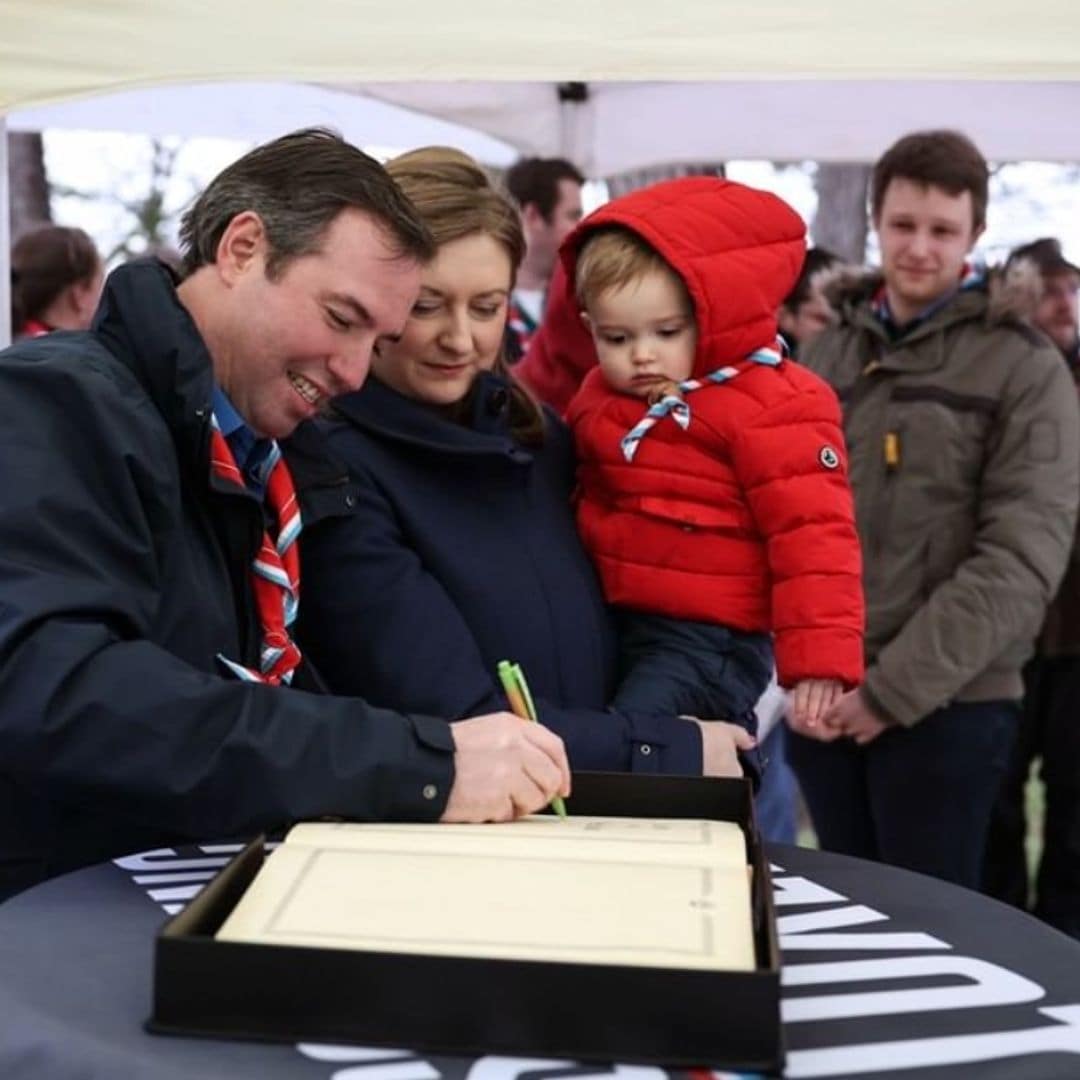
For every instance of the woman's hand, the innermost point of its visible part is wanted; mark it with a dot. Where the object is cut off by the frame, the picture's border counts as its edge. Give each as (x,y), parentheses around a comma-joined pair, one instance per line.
(720,746)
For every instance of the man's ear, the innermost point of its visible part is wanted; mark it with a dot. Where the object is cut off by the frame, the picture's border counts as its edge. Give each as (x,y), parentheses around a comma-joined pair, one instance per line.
(531,218)
(242,247)
(979,230)
(586,320)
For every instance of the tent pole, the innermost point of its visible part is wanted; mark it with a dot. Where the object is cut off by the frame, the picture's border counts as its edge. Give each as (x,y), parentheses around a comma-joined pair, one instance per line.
(575,116)
(5,239)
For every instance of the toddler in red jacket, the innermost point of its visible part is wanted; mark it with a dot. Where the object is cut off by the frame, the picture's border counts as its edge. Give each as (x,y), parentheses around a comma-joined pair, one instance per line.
(713,491)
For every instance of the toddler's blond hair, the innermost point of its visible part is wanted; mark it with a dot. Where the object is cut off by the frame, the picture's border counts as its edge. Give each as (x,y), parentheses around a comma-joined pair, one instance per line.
(611,258)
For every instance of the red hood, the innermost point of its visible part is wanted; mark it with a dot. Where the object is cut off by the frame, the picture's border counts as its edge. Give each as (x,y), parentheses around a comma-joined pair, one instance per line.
(739,251)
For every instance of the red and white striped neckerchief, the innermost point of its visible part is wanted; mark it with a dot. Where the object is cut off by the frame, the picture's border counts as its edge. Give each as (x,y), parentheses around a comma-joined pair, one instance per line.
(521,324)
(672,403)
(275,571)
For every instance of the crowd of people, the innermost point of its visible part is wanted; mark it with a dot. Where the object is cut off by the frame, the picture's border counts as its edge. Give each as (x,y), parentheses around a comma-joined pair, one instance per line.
(274,516)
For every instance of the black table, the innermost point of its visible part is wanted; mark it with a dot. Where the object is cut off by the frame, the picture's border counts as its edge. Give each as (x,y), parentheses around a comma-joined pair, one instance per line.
(887,974)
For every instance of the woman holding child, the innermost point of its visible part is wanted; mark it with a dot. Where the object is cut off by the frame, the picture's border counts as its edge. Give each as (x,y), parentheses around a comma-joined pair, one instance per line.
(439,535)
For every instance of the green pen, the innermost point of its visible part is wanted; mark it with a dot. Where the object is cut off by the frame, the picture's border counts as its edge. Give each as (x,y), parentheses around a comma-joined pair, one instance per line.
(521,702)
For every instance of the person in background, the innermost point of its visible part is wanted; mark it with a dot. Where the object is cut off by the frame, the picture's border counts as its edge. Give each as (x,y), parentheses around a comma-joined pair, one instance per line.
(963,428)
(548,194)
(561,352)
(1049,724)
(806,311)
(437,502)
(151,688)
(713,497)
(56,279)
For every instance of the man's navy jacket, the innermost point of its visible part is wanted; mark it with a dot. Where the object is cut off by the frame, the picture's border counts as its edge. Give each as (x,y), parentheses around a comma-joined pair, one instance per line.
(124,573)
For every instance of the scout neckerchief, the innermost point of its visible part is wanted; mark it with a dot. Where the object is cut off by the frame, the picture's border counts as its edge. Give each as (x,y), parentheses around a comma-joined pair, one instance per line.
(275,570)
(680,411)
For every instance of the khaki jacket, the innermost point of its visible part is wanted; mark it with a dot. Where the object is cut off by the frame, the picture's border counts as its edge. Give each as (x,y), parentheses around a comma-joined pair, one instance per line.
(964,447)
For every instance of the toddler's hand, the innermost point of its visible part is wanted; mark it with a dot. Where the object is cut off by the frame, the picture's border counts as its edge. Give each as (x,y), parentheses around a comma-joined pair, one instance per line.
(810,700)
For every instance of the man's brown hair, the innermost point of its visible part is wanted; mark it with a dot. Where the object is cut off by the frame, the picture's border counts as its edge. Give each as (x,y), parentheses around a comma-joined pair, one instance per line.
(943,159)
(536,180)
(298,184)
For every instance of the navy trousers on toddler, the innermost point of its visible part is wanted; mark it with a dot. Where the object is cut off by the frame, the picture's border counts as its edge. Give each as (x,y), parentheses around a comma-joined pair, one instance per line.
(683,668)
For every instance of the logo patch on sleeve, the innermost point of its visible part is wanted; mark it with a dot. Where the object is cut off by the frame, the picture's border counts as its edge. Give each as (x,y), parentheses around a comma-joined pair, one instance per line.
(829,457)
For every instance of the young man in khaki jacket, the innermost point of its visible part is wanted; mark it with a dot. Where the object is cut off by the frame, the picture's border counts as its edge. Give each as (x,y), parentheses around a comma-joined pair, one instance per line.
(964,448)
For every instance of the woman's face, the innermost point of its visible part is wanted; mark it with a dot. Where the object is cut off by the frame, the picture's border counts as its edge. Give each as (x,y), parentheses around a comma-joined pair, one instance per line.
(455,330)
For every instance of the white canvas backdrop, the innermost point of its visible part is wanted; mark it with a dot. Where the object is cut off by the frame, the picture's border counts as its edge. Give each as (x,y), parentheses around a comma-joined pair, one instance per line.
(742,61)
(613,128)
(68,48)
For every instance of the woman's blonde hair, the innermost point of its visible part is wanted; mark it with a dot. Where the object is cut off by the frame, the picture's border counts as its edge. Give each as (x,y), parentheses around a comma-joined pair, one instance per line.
(456,198)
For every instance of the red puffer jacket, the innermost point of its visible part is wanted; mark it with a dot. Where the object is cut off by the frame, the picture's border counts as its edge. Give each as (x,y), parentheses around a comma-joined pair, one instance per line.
(745,518)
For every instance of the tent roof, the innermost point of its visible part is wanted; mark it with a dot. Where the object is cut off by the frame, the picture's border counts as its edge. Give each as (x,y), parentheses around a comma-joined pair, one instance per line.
(72,48)
(618,127)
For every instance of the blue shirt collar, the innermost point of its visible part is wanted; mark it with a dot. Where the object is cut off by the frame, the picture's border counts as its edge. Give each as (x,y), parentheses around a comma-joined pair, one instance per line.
(249,450)
(973,276)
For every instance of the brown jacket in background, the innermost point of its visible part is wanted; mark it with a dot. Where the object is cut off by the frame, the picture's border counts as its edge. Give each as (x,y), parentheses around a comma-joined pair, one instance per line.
(964,449)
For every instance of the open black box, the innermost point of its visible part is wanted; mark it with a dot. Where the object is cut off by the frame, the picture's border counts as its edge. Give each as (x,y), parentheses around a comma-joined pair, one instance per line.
(471,1007)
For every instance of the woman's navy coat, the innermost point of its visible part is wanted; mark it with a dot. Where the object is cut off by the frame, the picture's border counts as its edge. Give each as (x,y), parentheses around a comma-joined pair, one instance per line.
(431,550)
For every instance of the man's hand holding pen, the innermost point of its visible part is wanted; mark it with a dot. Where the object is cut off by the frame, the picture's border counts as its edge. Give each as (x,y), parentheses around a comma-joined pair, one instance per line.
(504,769)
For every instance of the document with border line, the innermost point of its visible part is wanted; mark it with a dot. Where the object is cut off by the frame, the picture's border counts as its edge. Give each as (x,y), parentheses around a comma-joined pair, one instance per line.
(670,893)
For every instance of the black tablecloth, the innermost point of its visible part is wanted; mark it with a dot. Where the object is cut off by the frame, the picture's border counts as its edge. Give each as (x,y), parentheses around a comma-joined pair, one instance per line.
(887,974)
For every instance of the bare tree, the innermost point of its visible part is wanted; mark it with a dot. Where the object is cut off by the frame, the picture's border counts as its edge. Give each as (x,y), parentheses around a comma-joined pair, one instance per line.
(29,184)
(147,213)
(840,223)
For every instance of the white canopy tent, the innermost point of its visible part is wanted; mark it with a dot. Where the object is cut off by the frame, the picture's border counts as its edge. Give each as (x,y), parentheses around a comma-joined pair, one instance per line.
(254,111)
(606,128)
(836,79)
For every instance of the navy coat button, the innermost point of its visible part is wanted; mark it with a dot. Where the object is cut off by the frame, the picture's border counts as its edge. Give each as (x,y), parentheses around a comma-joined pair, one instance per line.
(430,791)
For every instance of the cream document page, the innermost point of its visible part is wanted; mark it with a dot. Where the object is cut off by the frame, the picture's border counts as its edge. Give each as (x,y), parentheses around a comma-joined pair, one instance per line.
(632,891)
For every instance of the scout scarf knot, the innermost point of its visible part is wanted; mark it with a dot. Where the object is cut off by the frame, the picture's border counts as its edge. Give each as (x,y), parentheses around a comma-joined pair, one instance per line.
(672,404)
(275,571)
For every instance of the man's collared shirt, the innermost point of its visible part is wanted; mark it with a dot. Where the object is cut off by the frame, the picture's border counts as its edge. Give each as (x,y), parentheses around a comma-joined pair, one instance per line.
(971,276)
(250,451)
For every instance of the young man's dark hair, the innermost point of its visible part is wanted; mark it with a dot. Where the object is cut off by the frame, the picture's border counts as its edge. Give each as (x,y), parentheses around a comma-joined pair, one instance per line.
(536,180)
(298,185)
(943,159)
